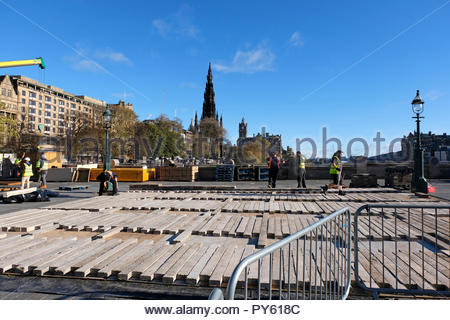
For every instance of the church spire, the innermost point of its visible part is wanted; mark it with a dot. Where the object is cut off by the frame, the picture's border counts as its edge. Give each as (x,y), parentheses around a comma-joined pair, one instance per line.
(209,106)
(221,122)
(196,121)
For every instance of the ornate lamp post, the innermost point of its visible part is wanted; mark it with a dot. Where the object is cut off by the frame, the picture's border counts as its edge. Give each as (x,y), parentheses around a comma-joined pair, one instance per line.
(107,118)
(418,183)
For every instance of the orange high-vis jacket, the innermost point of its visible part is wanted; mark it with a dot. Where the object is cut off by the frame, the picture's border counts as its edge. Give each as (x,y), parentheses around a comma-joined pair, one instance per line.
(278,162)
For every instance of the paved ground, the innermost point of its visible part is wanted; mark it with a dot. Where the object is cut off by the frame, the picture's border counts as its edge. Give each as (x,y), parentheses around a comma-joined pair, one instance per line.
(442,190)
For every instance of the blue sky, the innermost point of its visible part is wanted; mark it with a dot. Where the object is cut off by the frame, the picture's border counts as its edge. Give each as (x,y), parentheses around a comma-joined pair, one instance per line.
(292,66)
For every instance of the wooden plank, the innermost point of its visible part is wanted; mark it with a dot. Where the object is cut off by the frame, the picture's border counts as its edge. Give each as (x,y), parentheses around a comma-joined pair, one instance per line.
(195,225)
(194,275)
(157,270)
(171,274)
(91,252)
(241,229)
(147,271)
(190,263)
(96,264)
(54,261)
(8,194)
(278,234)
(134,268)
(257,227)
(207,271)
(116,265)
(262,239)
(229,256)
(32,260)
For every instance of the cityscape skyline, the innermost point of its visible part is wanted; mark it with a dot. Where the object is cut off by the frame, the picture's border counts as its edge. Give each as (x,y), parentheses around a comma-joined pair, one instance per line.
(350,74)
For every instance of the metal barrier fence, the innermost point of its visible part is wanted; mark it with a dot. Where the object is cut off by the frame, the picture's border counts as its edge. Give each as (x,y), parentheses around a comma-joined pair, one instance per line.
(399,249)
(313,263)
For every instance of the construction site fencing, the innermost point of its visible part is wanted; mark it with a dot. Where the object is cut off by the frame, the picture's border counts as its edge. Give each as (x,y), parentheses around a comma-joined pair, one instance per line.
(313,263)
(402,249)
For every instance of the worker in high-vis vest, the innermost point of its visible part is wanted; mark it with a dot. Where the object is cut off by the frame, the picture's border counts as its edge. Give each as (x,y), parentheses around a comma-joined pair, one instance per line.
(27,173)
(301,170)
(16,168)
(42,167)
(336,172)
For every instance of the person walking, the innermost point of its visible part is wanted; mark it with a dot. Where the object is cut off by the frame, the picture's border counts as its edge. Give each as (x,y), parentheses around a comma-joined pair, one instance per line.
(42,167)
(274,166)
(301,170)
(27,173)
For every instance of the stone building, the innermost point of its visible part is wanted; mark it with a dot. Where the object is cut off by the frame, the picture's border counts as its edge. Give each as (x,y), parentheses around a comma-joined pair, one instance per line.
(274,140)
(47,112)
(209,123)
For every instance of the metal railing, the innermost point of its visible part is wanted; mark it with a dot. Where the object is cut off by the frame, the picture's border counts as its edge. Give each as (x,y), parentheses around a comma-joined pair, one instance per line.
(399,249)
(313,263)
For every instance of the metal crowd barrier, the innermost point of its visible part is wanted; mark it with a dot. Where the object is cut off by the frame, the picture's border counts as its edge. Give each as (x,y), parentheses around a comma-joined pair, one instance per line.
(313,263)
(402,252)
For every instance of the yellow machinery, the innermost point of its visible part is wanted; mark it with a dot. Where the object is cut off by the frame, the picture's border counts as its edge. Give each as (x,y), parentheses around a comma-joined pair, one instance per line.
(21,63)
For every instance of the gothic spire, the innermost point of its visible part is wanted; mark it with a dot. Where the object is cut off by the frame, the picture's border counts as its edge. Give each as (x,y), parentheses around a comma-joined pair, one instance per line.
(209,106)
(221,123)
(196,120)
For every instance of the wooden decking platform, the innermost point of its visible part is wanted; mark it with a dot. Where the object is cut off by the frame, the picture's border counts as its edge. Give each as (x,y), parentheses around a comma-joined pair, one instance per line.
(196,238)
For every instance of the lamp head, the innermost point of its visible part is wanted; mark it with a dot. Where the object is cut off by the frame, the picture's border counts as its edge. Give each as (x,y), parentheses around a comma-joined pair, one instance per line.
(417,104)
(107,117)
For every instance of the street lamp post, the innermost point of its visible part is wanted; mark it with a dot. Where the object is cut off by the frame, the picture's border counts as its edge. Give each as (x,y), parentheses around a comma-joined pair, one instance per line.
(107,118)
(418,183)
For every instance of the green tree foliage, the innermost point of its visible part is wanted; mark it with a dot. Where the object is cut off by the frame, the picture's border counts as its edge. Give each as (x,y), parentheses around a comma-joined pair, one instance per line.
(9,128)
(160,137)
(254,152)
(208,141)
(84,135)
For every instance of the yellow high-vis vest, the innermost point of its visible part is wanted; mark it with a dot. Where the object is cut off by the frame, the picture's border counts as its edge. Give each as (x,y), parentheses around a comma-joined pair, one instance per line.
(334,170)
(28,172)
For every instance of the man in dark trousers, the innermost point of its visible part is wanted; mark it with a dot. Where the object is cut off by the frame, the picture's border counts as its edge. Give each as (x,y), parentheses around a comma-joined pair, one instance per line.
(301,170)
(274,166)
(105,177)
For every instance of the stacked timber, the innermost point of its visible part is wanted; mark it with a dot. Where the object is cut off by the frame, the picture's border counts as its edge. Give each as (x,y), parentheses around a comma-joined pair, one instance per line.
(178,173)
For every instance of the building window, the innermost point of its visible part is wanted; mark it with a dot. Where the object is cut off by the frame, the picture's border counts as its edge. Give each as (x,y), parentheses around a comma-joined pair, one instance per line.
(22,117)
(32,103)
(48,114)
(54,108)
(32,95)
(23,100)
(24,93)
(9,93)
(32,110)
(54,101)
(72,105)
(40,113)
(40,120)
(40,105)
(23,109)
(3,92)
(47,128)
(61,102)
(47,121)
(48,99)
(53,130)
(40,97)
(61,109)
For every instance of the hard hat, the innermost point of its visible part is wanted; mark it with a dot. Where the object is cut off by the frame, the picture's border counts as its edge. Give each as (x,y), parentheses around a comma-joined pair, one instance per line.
(43,156)
(27,159)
